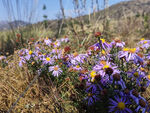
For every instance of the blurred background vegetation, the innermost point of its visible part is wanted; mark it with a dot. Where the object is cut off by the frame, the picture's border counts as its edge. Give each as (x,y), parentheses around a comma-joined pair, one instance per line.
(123,20)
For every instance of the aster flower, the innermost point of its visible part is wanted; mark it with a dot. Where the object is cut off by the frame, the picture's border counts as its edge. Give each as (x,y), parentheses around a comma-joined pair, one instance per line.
(92,49)
(148,56)
(130,54)
(77,68)
(93,95)
(56,71)
(117,43)
(76,58)
(47,41)
(21,62)
(148,80)
(29,54)
(65,39)
(118,80)
(57,53)
(126,94)
(103,44)
(143,104)
(134,95)
(119,105)
(144,43)
(136,75)
(57,43)
(48,60)
(55,50)
(105,68)
(2,57)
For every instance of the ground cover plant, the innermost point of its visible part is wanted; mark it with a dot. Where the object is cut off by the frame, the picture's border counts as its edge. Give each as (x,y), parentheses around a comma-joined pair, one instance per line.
(108,77)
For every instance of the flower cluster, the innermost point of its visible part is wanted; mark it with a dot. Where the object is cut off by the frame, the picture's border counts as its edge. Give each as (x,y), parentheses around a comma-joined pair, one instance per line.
(110,74)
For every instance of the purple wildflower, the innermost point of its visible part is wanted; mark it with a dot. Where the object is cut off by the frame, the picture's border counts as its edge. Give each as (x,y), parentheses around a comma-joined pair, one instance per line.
(119,105)
(47,41)
(56,71)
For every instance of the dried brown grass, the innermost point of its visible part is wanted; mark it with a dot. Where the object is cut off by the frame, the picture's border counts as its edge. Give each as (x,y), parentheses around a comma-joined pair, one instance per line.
(42,96)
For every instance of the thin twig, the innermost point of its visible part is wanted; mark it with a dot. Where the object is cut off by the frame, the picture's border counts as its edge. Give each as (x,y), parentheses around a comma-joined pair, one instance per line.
(23,93)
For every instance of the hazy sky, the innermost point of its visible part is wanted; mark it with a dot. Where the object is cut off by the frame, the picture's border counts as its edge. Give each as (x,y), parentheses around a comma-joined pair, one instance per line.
(31,10)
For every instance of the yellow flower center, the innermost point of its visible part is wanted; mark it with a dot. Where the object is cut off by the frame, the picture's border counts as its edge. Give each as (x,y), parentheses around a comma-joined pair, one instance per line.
(145,42)
(132,50)
(93,79)
(142,69)
(103,62)
(65,37)
(56,68)
(103,52)
(136,74)
(103,40)
(30,52)
(93,74)
(48,59)
(77,66)
(121,105)
(75,54)
(125,49)
(32,63)
(148,77)
(142,39)
(90,94)
(55,43)
(105,66)
(46,38)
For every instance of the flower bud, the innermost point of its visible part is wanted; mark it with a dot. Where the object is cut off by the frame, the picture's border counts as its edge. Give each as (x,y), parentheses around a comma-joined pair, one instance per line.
(98,34)
(116,77)
(142,103)
(135,93)
(143,88)
(109,71)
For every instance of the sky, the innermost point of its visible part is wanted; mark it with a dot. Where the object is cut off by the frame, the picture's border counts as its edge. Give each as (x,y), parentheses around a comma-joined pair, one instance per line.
(32,10)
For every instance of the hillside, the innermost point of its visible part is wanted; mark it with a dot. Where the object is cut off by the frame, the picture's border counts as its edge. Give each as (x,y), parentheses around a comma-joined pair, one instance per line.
(118,12)
(5,25)
(127,8)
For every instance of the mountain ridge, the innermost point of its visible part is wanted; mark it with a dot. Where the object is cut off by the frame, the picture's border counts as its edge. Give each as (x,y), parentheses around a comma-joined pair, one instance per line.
(5,25)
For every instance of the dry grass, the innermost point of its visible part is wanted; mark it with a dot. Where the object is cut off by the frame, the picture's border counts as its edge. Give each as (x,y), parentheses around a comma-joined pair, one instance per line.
(42,96)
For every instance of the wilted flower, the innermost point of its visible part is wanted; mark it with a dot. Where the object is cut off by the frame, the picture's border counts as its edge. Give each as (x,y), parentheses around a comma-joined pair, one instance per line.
(18,35)
(2,57)
(67,49)
(97,34)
